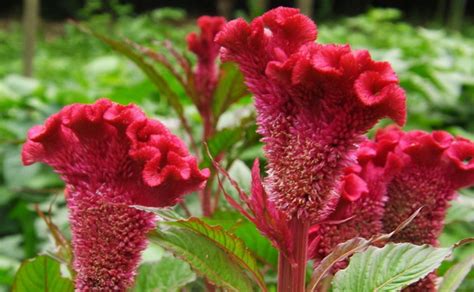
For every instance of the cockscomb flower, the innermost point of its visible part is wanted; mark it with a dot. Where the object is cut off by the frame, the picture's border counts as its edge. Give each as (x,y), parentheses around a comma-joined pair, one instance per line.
(207,51)
(313,104)
(111,157)
(363,193)
(433,167)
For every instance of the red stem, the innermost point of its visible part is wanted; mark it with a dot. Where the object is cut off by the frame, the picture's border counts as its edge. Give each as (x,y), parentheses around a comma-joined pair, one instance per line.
(206,194)
(292,272)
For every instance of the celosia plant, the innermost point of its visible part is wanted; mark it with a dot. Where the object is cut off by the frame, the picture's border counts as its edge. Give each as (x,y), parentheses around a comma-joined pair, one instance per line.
(207,69)
(433,167)
(363,193)
(398,173)
(313,104)
(325,183)
(111,157)
(200,82)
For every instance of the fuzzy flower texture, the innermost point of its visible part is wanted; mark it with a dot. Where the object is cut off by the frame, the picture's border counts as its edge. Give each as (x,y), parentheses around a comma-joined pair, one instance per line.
(111,157)
(394,175)
(313,104)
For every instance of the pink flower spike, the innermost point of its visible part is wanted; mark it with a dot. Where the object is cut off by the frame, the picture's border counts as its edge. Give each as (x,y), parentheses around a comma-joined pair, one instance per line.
(207,51)
(361,205)
(313,104)
(111,157)
(432,168)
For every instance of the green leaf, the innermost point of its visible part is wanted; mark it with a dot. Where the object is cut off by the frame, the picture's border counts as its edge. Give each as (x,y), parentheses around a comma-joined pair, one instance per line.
(221,142)
(389,268)
(248,232)
(158,80)
(346,249)
(205,257)
(221,256)
(452,279)
(41,274)
(230,243)
(167,274)
(229,90)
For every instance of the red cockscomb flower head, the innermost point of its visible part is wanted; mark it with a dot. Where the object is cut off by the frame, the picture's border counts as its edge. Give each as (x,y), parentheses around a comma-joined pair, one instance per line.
(313,102)
(110,157)
(207,51)
(363,192)
(433,167)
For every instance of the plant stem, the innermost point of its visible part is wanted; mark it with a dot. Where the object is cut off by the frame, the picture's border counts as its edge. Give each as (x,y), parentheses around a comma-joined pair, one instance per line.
(206,194)
(284,272)
(292,271)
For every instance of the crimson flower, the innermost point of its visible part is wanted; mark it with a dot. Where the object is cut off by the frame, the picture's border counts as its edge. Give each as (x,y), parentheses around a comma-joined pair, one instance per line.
(111,157)
(363,193)
(433,167)
(207,51)
(313,104)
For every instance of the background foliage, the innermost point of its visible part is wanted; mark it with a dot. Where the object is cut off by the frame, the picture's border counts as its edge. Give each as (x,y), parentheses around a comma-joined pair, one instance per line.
(436,68)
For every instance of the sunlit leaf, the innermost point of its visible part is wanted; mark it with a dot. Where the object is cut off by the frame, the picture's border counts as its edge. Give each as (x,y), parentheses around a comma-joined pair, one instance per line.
(167,274)
(41,274)
(390,268)
(220,256)
(454,276)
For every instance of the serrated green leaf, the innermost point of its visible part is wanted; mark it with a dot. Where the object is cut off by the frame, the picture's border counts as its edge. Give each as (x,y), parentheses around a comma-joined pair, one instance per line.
(389,268)
(230,88)
(454,276)
(346,249)
(167,274)
(41,274)
(246,230)
(227,241)
(204,256)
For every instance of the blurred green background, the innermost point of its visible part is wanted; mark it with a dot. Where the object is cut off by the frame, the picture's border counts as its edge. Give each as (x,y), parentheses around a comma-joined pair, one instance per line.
(430,47)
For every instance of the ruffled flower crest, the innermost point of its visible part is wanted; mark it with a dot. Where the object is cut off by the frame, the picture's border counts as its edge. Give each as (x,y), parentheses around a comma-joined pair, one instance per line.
(313,102)
(110,157)
(433,167)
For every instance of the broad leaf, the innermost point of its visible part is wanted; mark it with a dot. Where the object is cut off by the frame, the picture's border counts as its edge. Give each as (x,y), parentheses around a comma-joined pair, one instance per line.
(230,88)
(346,249)
(204,256)
(167,274)
(389,268)
(248,232)
(228,242)
(41,274)
(340,253)
(454,276)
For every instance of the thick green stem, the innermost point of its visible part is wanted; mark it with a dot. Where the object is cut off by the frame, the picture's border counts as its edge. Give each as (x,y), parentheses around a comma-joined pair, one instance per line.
(292,271)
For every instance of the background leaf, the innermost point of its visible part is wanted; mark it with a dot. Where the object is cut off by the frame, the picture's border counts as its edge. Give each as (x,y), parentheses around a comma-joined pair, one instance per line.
(167,274)
(454,276)
(41,274)
(389,268)
(230,88)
